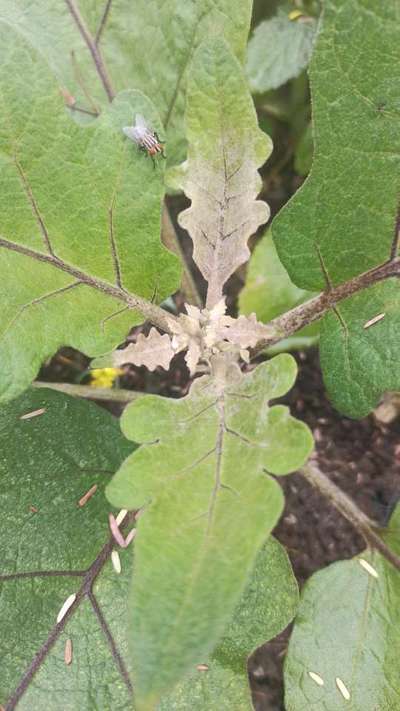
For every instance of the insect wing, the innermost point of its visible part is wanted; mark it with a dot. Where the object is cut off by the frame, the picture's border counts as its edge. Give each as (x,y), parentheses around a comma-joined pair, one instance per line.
(130,131)
(140,122)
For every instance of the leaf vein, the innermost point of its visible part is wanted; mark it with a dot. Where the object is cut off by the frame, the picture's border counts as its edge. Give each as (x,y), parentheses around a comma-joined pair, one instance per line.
(34,206)
(113,246)
(34,302)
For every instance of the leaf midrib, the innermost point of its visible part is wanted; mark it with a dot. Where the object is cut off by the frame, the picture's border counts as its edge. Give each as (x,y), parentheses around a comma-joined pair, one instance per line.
(169,645)
(133,301)
(85,591)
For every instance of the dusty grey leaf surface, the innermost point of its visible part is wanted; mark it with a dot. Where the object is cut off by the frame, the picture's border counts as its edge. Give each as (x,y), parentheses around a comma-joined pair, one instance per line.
(209,505)
(152,351)
(225,149)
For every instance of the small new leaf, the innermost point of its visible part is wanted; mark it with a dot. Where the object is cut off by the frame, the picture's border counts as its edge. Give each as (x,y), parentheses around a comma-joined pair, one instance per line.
(192,356)
(245,331)
(208,333)
(225,149)
(152,351)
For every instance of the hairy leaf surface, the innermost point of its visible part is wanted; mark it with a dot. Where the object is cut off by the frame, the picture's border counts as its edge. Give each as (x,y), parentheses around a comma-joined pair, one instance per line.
(202,475)
(303,156)
(48,541)
(152,351)
(347,628)
(269,292)
(225,149)
(266,607)
(364,359)
(49,461)
(342,221)
(82,196)
(278,51)
(146,46)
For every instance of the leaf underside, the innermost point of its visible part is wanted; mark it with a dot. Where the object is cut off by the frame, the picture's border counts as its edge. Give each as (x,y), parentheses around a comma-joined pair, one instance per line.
(202,475)
(347,628)
(342,221)
(83,195)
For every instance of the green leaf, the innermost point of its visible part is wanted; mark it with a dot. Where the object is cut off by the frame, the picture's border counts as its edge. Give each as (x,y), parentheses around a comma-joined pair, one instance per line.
(39,470)
(342,221)
(146,46)
(360,363)
(266,607)
(80,198)
(49,28)
(268,292)
(226,147)
(347,628)
(304,152)
(201,474)
(158,43)
(49,461)
(278,50)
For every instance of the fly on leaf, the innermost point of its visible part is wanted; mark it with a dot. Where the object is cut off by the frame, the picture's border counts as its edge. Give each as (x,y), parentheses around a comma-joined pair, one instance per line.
(145,138)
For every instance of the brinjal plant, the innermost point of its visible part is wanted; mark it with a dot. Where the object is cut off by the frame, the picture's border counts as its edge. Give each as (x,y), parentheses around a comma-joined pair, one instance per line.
(138,569)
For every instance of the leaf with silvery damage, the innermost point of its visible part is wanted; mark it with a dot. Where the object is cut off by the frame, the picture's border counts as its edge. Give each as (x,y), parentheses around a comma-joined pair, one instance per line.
(204,334)
(221,178)
(202,472)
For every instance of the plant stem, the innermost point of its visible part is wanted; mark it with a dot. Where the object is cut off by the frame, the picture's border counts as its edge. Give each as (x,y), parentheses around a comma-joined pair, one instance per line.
(349,510)
(150,311)
(314,309)
(170,239)
(93,48)
(103,22)
(91,393)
